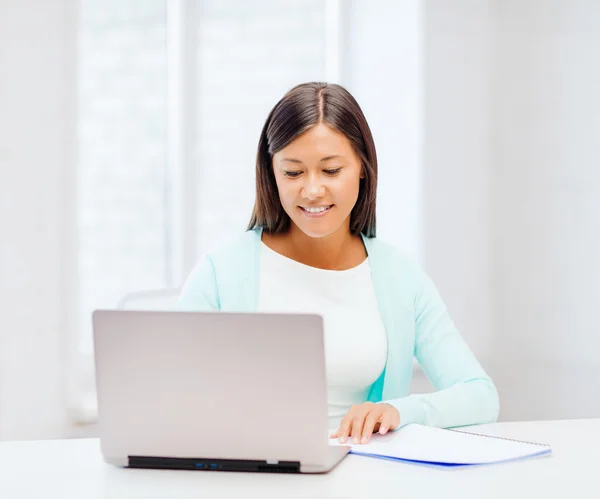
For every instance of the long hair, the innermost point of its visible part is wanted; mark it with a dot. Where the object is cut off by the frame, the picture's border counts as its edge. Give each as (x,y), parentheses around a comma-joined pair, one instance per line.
(300,109)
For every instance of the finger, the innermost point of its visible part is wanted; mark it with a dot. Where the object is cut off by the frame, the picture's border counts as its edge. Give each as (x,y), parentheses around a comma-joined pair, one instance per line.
(371,420)
(386,422)
(345,426)
(357,426)
(335,434)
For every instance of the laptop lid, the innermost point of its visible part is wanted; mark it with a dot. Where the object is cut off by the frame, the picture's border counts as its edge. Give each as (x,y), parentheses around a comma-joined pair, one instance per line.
(212,385)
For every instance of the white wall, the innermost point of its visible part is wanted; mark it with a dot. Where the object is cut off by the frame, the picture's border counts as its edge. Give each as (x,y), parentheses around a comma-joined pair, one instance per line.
(457,250)
(36,134)
(547,207)
(512,190)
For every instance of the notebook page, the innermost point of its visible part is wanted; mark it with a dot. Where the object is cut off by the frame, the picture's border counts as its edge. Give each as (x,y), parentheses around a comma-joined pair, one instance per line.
(423,443)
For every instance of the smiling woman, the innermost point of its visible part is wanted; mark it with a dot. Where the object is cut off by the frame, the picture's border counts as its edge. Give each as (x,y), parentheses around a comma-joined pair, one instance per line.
(313,229)
(318,134)
(317,192)
(316,174)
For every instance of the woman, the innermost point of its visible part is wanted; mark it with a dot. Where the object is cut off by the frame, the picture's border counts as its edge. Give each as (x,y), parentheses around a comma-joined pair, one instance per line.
(311,247)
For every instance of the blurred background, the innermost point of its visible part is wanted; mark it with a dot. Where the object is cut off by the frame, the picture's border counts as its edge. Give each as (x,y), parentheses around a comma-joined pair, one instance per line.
(128,133)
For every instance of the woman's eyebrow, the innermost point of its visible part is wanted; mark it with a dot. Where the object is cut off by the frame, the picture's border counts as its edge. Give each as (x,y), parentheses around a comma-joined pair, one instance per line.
(326,158)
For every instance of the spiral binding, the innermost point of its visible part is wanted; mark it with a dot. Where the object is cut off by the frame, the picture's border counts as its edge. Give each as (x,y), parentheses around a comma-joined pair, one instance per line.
(501,438)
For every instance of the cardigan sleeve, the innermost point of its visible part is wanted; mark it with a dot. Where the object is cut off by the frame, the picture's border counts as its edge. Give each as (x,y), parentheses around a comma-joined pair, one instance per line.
(464,394)
(200,291)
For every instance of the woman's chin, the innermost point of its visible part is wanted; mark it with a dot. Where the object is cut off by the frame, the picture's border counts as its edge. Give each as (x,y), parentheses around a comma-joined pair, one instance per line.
(315,231)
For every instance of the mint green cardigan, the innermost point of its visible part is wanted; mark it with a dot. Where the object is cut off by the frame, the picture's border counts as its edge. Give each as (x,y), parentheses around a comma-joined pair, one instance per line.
(415,319)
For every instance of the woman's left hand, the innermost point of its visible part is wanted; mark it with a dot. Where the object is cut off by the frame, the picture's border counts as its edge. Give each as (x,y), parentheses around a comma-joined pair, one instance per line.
(365,419)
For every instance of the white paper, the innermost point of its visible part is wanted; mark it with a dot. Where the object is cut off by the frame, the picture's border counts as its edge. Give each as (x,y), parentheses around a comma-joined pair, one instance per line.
(435,445)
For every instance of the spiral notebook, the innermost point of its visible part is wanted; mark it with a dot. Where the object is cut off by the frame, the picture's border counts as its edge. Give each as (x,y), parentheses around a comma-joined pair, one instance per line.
(446,448)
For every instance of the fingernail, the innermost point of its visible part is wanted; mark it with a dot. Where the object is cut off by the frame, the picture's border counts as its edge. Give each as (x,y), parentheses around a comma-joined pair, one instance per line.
(355,440)
(364,440)
(383,430)
(342,440)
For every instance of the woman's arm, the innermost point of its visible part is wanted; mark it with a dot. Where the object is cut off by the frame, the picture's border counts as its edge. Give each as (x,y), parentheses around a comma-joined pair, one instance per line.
(466,394)
(200,290)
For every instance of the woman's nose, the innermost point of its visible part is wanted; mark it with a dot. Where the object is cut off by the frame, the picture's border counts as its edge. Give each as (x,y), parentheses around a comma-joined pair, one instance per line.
(313,189)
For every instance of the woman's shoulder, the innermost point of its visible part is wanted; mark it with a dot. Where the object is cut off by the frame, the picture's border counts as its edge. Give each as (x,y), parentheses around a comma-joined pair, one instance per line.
(394,262)
(236,247)
(383,250)
(235,255)
(229,260)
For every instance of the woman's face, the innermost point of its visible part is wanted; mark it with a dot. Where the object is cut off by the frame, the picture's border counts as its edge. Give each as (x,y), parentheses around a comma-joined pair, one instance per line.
(318,177)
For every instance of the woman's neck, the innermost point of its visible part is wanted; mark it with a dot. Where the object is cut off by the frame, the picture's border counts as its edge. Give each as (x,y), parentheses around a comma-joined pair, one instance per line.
(338,251)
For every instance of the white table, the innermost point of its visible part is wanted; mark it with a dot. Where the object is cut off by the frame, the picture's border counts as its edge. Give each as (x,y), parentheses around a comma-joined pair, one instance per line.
(73,469)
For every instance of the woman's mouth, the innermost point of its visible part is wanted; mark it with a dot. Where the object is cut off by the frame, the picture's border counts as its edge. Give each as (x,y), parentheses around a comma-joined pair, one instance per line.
(316,211)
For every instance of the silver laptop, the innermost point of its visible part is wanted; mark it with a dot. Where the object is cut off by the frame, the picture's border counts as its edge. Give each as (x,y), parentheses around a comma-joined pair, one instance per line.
(213,391)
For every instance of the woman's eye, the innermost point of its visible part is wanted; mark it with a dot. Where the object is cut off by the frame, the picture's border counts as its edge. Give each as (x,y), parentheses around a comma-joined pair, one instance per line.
(292,174)
(332,171)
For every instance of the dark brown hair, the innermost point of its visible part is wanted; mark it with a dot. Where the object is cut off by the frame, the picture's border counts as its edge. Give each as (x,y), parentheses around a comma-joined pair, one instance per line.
(303,107)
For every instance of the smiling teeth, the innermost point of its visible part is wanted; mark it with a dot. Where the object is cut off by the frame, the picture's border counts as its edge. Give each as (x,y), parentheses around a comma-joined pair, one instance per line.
(317,210)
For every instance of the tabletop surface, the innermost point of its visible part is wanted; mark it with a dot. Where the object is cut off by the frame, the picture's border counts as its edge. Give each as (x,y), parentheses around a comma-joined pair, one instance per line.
(74,469)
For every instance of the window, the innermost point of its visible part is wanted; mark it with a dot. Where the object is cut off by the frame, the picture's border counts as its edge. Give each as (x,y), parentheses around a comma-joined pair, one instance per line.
(122,153)
(173,96)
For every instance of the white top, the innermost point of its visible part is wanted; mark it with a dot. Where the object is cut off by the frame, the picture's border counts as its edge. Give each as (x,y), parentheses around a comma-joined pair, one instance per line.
(354,335)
